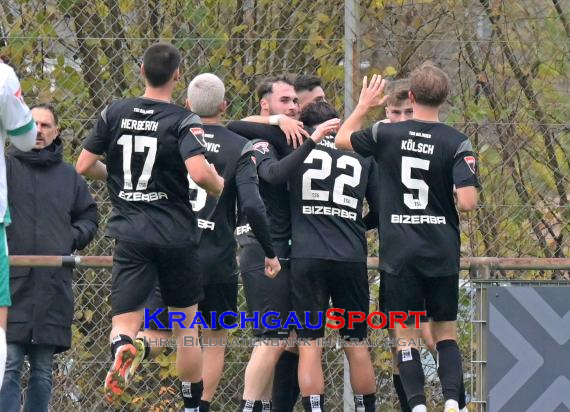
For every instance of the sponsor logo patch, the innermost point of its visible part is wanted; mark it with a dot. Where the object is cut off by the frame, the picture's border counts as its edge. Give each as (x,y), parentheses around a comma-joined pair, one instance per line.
(198,133)
(470,160)
(261,147)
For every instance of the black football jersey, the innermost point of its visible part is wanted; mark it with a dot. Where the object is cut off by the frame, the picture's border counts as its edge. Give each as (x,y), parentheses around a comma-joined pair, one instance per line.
(276,200)
(217,216)
(146,142)
(327,196)
(419,163)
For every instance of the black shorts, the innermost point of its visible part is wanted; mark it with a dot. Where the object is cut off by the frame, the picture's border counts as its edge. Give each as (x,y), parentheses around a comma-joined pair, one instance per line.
(137,268)
(438,296)
(315,281)
(265,295)
(382,300)
(218,298)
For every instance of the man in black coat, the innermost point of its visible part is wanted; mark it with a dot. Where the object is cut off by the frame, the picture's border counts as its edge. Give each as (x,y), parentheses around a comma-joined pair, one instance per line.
(53,213)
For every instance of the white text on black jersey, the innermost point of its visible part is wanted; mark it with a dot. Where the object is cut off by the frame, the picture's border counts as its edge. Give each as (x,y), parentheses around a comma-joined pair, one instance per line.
(206,224)
(142,197)
(418,219)
(411,146)
(329,211)
(139,125)
(211,147)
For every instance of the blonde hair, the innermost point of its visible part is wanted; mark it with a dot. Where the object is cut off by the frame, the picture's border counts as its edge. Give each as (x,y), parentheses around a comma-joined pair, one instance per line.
(206,93)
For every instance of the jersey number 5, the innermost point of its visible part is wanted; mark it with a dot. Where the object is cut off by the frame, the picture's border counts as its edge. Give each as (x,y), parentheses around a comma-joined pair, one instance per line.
(141,142)
(325,171)
(409,163)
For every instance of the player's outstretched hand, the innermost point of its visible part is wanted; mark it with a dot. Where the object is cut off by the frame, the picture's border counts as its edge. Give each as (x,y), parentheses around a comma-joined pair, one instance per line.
(272,267)
(293,130)
(325,129)
(372,95)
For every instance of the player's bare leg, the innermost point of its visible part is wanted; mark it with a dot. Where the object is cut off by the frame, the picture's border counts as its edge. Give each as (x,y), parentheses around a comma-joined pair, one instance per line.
(362,377)
(188,359)
(260,370)
(259,373)
(311,380)
(214,350)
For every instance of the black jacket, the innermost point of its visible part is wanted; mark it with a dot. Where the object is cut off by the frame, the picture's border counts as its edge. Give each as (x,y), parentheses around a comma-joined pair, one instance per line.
(52,213)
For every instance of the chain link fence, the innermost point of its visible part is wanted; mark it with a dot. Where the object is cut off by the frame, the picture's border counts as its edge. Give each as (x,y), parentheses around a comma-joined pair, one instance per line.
(508,61)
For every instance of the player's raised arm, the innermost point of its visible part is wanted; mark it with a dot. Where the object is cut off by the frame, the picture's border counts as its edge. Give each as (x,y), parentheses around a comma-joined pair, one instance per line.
(371,96)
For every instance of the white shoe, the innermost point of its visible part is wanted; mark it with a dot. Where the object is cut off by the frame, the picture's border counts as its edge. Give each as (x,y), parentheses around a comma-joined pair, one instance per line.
(419,408)
(451,406)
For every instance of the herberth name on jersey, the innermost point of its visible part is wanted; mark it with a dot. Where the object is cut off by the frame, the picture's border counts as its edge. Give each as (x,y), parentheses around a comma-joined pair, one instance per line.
(146,142)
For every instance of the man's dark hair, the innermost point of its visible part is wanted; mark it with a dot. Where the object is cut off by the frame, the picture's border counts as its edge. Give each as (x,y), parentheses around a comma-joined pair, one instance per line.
(429,85)
(160,62)
(266,85)
(47,106)
(307,82)
(317,112)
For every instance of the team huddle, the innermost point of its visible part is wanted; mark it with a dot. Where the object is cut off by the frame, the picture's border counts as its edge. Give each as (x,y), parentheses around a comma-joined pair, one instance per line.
(292,183)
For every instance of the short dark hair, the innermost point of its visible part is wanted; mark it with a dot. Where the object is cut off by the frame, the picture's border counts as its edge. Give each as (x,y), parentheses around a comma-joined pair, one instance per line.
(317,112)
(160,62)
(266,86)
(47,106)
(397,91)
(307,82)
(429,85)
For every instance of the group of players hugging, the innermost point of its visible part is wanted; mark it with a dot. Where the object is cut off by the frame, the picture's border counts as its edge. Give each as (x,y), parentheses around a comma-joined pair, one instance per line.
(291,182)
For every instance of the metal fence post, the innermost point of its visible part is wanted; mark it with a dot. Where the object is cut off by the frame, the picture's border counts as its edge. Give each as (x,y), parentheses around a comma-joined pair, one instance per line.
(480,273)
(351,54)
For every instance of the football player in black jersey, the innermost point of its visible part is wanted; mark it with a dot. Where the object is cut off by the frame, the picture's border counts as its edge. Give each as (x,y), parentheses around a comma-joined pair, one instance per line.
(398,109)
(328,257)
(277,96)
(421,161)
(232,156)
(151,145)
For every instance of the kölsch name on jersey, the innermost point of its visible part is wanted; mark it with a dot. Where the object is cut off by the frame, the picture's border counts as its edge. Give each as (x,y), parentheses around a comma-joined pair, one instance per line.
(419,164)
